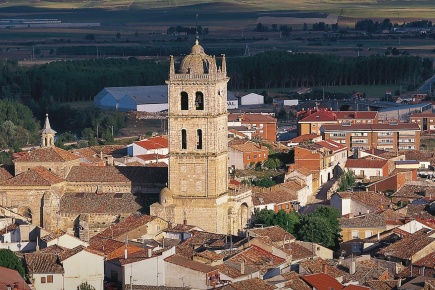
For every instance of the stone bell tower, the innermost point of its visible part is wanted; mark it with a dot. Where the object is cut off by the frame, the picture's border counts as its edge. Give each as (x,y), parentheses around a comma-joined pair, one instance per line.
(47,134)
(197,191)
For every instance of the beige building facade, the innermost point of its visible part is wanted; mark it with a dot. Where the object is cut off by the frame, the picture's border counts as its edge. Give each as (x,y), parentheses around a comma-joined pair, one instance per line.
(197,191)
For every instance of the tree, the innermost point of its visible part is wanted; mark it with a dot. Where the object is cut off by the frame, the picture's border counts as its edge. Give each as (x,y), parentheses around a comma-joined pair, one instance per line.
(287,221)
(346,180)
(85,286)
(265,182)
(8,259)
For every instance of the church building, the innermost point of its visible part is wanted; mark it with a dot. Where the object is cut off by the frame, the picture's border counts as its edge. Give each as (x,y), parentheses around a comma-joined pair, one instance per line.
(197,191)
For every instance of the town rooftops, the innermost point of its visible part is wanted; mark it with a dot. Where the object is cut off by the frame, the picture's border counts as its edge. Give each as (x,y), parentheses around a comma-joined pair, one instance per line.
(275,233)
(354,115)
(319,265)
(47,154)
(190,264)
(306,137)
(253,283)
(126,225)
(258,258)
(43,263)
(409,245)
(322,281)
(8,228)
(249,147)
(366,197)
(419,156)
(108,203)
(415,191)
(158,142)
(331,145)
(273,197)
(422,115)
(34,177)
(5,173)
(371,127)
(363,221)
(251,118)
(366,163)
(294,281)
(320,116)
(406,162)
(11,278)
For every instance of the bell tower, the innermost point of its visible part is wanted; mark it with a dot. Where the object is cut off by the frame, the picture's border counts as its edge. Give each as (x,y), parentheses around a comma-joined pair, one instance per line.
(47,134)
(197,190)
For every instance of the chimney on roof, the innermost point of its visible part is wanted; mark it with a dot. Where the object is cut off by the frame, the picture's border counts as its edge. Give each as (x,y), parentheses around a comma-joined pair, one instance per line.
(399,283)
(185,222)
(101,155)
(324,268)
(373,150)
(149,253)
(242,268)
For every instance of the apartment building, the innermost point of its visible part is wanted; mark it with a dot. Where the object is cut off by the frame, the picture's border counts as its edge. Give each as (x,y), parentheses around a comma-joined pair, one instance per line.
(311,120)
(264,126)
(389,137)
(426,121)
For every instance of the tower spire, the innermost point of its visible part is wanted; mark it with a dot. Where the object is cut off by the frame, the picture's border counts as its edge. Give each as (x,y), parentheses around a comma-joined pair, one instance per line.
(47,134)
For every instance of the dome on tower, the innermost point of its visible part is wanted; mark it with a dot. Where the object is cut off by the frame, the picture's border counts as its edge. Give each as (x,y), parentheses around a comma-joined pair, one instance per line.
(166,197)
(197,62)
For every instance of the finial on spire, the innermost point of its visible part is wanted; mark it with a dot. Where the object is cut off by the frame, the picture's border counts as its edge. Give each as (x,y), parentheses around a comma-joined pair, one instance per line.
(196,33)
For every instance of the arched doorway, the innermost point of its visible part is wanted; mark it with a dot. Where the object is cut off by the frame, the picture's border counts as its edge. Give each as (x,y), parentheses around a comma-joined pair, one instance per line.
(244,217)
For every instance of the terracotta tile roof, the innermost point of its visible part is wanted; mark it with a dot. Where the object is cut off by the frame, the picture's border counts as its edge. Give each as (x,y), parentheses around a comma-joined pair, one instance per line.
(232,270)
(237,133)
(42,263)
(52,235)
(297,251)
(133,163)
(361,115)
(275,233)
(363,221)
(365,163)
(126,225)
(418,211)
(251,118)
(87,155)
(148,157)
(145,287)
(253,283)
(158,142)
(190,264)
(414,191)
(5,173)
(250,147)
(369,198)
(273,197)
(428,261)
(333,146)
(409,245)
(427,222)
(201,239)
(322,281)
(181,228)
(320,116)
(372,127)
(366,270)
(8,229)
(9,277)
(96,174)
(53,249)
(47,154)
(315,266)
(294,281)
(140,256)
(109,203)
(255,257)
(355,287)
(302,170)
(419,156)
(157,165)
(209,255)
(110,149)
(293,184)
(388,236)
(111,248)
(34,176)
(381,285)
(305,137)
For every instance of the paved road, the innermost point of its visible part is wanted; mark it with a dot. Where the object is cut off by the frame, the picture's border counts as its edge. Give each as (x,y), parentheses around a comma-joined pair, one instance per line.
(426,86)
(320,200)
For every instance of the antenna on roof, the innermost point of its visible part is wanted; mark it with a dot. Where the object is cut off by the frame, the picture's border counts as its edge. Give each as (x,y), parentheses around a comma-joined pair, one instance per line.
(196,25)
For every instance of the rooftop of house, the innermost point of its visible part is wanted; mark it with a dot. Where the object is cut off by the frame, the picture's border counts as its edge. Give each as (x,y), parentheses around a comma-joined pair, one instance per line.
(141,255)
(181,228)
(111,248)
(409,245)
(418,211)
(250,147)
(363,221)
(427,261)
(253,283)
(381,285)
(257,258)
(302,170)
(109,203)
(418,155)
(369,198)
(237,133)
(43,263)
(251,118)
(201,240)
(294,184)
(190,264)
(273,197)
(371,127)
(322,281)
(5,172)
(145,287)
(415,191)
(422,115)
(305,138)
(114,150)
(148,157)
(294,281)
(366,163)
(233,270)
(318,265)
(381,153)
(8,228)
(47,154)
(52,235)
(366,270)
(158,142)
(276,234)
(12,278)
(37,176)
(126,225)
(333,146)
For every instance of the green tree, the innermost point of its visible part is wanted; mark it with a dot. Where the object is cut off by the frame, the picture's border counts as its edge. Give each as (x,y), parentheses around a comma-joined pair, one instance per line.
(346,180)
(265,182)
(85,286)
(9,260)
(287,221)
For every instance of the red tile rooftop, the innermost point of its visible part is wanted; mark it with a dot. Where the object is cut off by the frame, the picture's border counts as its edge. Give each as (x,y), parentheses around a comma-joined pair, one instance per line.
(38,176)
(322,281)
(365,163)
(126,225)
(47,154)
(190,264)
(158,142)
(249,118)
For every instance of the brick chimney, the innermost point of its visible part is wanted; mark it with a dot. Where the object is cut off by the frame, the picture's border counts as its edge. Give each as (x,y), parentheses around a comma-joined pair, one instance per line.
(324,268)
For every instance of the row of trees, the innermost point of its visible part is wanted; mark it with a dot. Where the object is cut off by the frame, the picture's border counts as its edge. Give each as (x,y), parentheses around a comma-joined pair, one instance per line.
(373,26)
(321,226)
(81,80)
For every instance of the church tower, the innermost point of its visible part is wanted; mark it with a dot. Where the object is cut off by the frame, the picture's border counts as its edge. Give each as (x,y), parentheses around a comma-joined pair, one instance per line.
(47,134)
(197,191)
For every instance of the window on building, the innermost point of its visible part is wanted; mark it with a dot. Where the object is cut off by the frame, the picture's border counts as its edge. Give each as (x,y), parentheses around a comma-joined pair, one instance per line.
(43,280)
(248,157)
(50,279)
(255,156)
(199,139)
(199,101)
(368,234)
(184,101)
(183,139)
(355,234)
